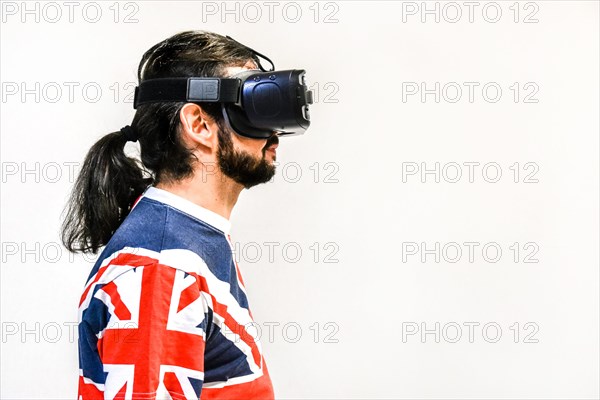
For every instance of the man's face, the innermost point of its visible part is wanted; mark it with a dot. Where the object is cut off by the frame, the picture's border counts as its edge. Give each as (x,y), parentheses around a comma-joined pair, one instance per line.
(247,161)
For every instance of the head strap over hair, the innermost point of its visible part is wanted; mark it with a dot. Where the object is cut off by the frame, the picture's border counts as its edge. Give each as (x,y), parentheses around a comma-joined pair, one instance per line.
(129,133)
(256,53)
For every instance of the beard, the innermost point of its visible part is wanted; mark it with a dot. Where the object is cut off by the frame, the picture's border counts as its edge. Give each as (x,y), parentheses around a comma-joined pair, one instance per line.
(243,167)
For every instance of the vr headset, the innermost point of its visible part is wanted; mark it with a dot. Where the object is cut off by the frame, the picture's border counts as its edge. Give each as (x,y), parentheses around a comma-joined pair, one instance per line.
(255,103)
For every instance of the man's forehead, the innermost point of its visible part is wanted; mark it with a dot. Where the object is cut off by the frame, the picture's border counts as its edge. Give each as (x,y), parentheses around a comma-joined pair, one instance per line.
(234,70)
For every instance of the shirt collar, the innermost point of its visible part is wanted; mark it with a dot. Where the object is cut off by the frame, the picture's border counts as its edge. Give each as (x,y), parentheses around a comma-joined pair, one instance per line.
(193,209)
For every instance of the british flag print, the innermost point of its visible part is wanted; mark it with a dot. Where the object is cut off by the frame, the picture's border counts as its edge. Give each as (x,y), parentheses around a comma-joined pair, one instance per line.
(164,313)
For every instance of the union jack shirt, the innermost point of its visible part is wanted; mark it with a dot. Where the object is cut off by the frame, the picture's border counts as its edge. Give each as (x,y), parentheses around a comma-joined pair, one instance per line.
(164,313)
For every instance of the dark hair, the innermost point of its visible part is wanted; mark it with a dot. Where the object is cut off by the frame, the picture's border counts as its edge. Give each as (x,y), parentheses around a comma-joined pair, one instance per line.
(110,181)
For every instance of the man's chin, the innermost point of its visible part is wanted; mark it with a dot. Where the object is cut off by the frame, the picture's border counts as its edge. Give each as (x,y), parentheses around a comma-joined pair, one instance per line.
(245,169)
(259,174)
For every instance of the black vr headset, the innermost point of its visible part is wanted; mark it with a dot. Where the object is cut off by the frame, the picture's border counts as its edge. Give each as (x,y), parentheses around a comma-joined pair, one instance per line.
(255,103)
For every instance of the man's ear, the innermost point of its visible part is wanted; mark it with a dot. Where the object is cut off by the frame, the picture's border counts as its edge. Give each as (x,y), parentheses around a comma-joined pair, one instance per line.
(197,127)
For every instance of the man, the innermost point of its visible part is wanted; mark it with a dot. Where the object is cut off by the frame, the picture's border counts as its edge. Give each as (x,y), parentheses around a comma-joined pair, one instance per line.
(164,313)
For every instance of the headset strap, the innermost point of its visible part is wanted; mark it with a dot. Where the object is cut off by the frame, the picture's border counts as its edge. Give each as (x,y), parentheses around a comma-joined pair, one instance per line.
(256,53)
(193,89)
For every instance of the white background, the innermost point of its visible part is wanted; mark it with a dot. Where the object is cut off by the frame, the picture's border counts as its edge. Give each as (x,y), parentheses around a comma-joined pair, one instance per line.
(359,209)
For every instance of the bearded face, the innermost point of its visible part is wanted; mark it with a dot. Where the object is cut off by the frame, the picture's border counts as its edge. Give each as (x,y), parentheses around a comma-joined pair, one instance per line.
(243,167)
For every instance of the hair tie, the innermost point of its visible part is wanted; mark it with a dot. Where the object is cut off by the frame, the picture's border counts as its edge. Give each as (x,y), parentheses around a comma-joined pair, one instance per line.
(129,133)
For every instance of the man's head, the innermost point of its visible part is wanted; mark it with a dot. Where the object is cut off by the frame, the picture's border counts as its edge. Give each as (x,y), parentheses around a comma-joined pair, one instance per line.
(179,140)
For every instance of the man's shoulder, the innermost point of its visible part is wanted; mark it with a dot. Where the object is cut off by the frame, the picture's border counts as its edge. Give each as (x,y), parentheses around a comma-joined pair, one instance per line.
(156,226)
(154,231)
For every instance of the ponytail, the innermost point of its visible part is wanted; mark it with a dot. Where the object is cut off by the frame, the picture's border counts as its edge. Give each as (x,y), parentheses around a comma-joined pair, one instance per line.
(108,184)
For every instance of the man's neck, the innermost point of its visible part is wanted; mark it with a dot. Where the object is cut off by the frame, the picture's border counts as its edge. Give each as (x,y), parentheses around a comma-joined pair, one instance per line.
(209,189)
